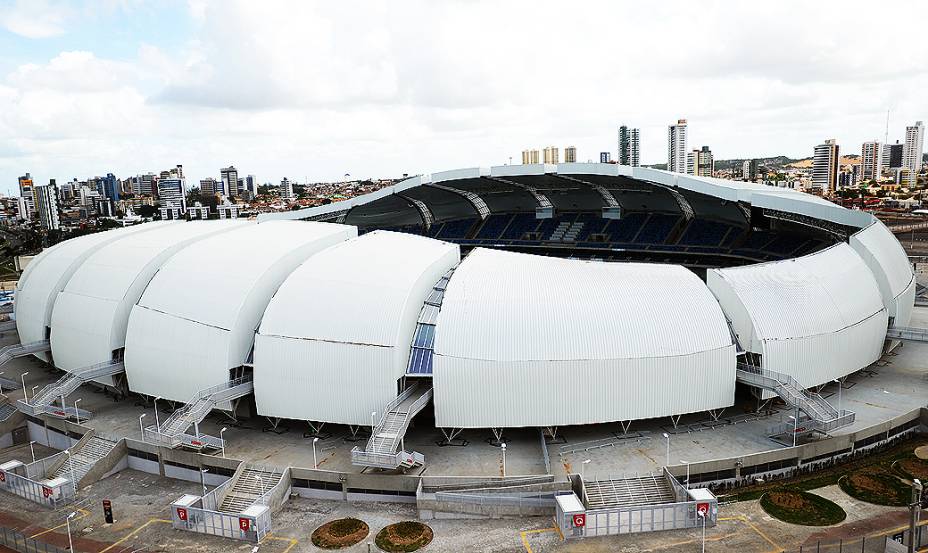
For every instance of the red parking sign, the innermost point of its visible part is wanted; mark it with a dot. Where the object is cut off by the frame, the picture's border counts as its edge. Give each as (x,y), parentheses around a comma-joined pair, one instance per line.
(46,491)
(244,524)
(2,476)
(702,509)
(580,520)
(182,514)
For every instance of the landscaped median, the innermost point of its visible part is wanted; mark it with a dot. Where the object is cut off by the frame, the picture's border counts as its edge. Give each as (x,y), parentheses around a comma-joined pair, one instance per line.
(404,536)
(341,533)
(799,507)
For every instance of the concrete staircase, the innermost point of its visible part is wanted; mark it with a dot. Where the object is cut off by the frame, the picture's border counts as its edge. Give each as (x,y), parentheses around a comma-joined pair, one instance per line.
(83,458)
(252,485)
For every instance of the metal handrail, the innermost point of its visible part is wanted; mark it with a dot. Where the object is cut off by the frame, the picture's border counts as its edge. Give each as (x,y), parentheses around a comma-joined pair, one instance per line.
(201,395)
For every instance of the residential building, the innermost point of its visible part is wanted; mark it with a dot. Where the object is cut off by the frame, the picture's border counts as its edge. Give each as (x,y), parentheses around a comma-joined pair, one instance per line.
(871,160)
(27,203)
(825,161)
(286,189)
(209,186)
(229,180)
(913,150)
(171,194)
(749,170)
(551,154)
(628,146)
(570,154)
(530,157)
(46,206)
(605,157)
(147,184)
(108,187)
(251,185)
(700,162)
(676,147)
(892,155)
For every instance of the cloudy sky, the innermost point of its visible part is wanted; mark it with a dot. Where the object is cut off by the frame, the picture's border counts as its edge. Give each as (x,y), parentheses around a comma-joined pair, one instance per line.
(376,89)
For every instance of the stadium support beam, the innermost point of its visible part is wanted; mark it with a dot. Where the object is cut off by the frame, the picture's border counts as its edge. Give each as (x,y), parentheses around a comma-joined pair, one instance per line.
(475,200)
(542,200)
(675,420)
(424,212)
(603,191)
(626,425)
(450,434)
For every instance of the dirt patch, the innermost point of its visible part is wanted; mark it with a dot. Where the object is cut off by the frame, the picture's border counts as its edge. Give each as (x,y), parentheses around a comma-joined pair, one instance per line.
(799,507)
(875,485)
(337,534)
(915,468)
(404,536)
(922,452)
(788,500)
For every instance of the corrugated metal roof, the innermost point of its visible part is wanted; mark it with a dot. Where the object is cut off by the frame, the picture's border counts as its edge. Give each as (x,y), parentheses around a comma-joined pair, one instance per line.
(507,306)
(816,294)
(886,257)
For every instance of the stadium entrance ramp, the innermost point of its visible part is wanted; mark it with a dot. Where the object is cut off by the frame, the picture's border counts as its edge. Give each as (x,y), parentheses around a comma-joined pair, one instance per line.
(386,448)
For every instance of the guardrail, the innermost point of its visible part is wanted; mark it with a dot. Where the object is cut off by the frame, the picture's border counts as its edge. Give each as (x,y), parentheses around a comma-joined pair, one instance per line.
(34,491)
(235,526)
(19,542)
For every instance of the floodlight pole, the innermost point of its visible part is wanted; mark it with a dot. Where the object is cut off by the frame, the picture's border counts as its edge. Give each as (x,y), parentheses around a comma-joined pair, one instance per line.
(142,428)
(315,463)
(667,437)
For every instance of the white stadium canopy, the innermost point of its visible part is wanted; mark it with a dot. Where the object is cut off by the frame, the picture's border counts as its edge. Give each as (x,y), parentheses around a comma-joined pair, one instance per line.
(526,340)
(335,339)
(186,334)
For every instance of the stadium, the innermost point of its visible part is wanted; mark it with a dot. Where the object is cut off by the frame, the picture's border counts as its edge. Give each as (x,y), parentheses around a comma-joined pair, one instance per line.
(539,296)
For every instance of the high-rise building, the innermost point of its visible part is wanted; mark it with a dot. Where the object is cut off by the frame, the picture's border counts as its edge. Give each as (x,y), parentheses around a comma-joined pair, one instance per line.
(27,205)
(530,157)
(229,181)
(108,187)
(628,146)
(551,154)
(825,167)
(172,195)
(913,150)
(147,184)
(676,147)
(251,185)
(892,155)
(871,160)
(749,170)
(208,186)
(700,162)
(286,189)
(46,206)
(570,154)
(605,157)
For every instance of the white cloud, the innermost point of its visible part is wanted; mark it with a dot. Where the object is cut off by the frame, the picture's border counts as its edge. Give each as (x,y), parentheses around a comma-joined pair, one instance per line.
(302,88)
(34,18)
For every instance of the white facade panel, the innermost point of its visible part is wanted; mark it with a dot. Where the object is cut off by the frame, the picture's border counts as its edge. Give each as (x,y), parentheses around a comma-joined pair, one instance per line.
(354,308)
(520,333)
(816,317)
(886,258)
(50,271)
(111,281)
(228,304)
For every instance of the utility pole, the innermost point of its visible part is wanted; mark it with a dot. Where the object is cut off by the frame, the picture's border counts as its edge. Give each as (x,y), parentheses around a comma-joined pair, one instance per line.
(915,507)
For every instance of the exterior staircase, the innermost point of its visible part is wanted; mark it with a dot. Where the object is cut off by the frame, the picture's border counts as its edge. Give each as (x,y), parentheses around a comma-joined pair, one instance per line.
(43,401)
(8,353)
(7,408)
(907,333)
(252,485)
(173,431)
(82,458)
(381,450)
(822,416)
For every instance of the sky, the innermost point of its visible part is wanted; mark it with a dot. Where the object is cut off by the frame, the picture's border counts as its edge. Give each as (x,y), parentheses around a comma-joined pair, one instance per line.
(316,90)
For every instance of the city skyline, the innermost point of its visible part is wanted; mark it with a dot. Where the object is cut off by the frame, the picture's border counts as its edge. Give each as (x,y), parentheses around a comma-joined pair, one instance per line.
(73,104)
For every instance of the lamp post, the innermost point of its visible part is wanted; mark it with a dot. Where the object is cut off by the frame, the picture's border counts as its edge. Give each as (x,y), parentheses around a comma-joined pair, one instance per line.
(373,414)
(71,466)
(703,515)
(687,463)
(32,450)
(23,378)
(503,447)
(667,437)
(222,442)
(261,481)
(315,464)
(67,521)
(142,428)
(76,412)
(203,480)
(583,468)
(838,382)
(157,421)
(795,427)
(33,390)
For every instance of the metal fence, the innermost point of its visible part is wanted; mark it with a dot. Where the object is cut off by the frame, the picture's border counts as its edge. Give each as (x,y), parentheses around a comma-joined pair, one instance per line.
(36,491)
(645,518)
(19,542)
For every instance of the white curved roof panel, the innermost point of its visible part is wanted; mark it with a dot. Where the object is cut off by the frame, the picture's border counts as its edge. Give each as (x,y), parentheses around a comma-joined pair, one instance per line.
(183,338)
(47,274)
(335,338)
(816,317)
(108,284)
(525,340)
(886,258)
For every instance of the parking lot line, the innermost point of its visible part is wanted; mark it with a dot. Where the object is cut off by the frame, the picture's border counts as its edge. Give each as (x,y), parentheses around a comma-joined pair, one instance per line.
(134,532)
(83,512)
(524,534)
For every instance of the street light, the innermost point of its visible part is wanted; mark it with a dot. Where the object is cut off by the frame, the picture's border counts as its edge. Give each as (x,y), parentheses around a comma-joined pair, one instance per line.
(142,428)
(795,428)
(33,390)
(667,437)
(23,378)
(68,522)
(315,464)
(583,467)
(222,442)
(71,466)
(157,422)
(32,450)
(838,382)
(202,480)
(76,412)
(373,414)
(687,463)
(503,447)
(703,515)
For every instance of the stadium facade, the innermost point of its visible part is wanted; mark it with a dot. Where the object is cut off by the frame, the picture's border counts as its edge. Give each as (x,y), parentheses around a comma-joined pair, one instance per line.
(525,296)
